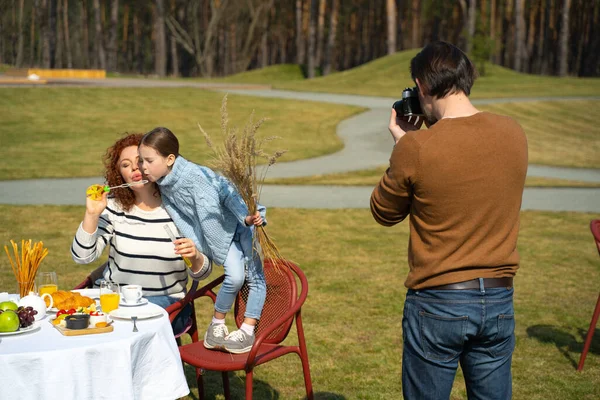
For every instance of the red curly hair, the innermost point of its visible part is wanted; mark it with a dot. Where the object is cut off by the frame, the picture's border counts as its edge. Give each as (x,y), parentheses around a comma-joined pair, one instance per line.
(124,196)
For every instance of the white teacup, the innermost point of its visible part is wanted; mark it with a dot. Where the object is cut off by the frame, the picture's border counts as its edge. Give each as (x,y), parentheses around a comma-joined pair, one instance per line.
(132,294)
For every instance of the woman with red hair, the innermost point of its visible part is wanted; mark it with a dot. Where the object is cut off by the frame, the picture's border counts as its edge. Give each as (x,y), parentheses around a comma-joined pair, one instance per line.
(131,221)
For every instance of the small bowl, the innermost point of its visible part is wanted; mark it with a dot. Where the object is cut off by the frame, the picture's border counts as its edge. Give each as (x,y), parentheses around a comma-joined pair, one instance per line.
(77,321)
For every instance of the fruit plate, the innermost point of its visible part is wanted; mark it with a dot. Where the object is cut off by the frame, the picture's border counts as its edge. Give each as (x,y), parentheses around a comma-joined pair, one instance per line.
(35,326)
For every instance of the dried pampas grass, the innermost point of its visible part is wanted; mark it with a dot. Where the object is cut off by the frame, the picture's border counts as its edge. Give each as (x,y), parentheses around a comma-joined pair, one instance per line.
(237,159)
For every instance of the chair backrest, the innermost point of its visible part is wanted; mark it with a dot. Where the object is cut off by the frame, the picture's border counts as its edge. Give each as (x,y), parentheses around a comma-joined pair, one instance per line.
(595,228)
(96,274)
(282,295)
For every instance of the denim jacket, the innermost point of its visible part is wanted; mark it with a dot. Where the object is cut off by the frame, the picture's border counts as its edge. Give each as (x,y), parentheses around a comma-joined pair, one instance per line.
(205,206)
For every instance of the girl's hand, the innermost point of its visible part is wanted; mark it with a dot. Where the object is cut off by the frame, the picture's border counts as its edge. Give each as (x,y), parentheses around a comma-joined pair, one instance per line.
(256,220)
(185,247)
(96,207)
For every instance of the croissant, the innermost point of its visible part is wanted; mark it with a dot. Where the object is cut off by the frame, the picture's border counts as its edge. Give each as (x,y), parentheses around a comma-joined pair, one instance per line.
(67,300)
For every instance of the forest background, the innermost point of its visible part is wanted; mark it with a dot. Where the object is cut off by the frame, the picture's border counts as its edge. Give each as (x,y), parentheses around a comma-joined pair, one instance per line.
(213,38)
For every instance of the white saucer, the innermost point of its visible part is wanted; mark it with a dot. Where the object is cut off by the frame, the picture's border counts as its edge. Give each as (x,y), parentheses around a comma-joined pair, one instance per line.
(139,303)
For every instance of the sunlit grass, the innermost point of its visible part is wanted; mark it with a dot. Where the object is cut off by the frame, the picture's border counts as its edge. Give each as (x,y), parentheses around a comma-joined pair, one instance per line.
(387,76)
(63,132)
(371,177)
(352,317)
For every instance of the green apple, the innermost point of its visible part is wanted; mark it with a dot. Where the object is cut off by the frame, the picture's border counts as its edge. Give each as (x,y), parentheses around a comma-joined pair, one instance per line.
(8,305)
(9,321)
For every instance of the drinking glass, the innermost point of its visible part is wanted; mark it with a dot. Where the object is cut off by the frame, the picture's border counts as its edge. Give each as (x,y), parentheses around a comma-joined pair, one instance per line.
(46,282)
(109,296)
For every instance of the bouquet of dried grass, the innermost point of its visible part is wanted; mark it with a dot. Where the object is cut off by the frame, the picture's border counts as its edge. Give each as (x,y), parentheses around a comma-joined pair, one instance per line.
(237,159)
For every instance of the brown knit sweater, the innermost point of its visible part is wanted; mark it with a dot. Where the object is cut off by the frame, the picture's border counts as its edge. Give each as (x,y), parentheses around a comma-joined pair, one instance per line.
(462,182)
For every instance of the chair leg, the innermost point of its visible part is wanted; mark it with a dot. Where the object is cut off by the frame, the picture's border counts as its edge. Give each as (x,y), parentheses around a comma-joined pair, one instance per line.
(226,390)
(200,383)
(304,358)
(589,336)
(249,384)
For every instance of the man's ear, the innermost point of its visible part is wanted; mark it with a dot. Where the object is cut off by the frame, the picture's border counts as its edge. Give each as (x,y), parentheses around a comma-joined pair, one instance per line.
(422,89)
(170,160)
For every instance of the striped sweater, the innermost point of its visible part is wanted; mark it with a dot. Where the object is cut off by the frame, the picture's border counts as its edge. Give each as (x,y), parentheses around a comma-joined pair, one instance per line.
(140,251)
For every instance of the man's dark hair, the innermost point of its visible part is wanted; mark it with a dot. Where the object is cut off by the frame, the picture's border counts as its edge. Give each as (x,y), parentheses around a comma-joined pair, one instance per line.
(443,69)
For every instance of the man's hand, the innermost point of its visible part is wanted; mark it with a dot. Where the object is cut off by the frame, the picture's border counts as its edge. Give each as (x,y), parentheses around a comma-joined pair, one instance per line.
(399,125)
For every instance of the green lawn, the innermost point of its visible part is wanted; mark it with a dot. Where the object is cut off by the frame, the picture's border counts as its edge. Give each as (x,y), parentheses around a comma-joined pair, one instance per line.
(388,76)
(352,318)
(63,132)
(371,177)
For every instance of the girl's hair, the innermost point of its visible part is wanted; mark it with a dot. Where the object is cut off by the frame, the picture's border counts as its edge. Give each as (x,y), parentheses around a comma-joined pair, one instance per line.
(162,140)
(124,196)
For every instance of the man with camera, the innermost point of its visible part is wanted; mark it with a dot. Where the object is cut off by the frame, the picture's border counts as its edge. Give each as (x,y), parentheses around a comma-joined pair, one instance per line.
(460,182)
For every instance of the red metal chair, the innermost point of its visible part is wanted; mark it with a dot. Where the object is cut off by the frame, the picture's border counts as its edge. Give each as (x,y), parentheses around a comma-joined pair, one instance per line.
(595,227)
(282,307)
(96,274)
(191,327)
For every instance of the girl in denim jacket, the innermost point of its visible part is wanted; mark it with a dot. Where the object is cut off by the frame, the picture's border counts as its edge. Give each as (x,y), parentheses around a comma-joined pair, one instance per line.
(207,208)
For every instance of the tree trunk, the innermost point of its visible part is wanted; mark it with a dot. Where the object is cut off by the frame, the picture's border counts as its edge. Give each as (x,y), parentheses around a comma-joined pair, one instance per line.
(314,9)
(173,42)
(85,37)
(32,34)
(531,38)
(320,32)
(67,35)
(160,57)
(333,18)
(563,55)
(300,53)
(100,61)
(19,58)
(111,45)
(519,35)
(137,37)
(45,30)
(415,13)
(391,26)
(58,56)
(471,16)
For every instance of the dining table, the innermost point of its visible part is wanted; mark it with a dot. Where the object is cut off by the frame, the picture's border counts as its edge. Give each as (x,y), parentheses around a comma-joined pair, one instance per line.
(40,363)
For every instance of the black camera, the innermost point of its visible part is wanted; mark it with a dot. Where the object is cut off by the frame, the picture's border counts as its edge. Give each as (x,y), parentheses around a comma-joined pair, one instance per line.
(409,105)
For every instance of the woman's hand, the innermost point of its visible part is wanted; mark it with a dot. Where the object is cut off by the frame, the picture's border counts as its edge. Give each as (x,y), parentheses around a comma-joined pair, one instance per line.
(96,207)
(93,209)
(185,247)
(399,125)
(255,219)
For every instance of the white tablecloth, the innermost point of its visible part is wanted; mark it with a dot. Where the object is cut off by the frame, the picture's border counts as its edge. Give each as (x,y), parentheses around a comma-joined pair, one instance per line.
(44,364)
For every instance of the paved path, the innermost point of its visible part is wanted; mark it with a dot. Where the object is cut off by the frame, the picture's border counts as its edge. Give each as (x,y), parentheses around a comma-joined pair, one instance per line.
(367,144)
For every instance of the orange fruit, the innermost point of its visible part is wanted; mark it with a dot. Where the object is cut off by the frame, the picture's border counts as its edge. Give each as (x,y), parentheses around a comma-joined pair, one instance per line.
(101,324)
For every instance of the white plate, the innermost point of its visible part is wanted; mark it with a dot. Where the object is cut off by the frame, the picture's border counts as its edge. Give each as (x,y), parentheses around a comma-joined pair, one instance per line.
(139,303)
(30,328)
(141,312)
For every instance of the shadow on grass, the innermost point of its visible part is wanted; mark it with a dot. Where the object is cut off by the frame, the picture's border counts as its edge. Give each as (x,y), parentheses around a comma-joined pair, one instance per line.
(565,342)
(327,396)
(213,387)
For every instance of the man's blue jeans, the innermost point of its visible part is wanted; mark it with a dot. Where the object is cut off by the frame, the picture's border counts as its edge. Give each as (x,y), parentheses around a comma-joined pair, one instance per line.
(444,327)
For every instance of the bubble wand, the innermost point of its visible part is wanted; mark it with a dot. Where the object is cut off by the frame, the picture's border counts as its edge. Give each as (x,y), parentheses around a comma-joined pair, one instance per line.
(95,191)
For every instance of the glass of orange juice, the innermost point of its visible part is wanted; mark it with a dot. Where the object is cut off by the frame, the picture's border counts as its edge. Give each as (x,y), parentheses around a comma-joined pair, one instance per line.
(109,296)
(46,282)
